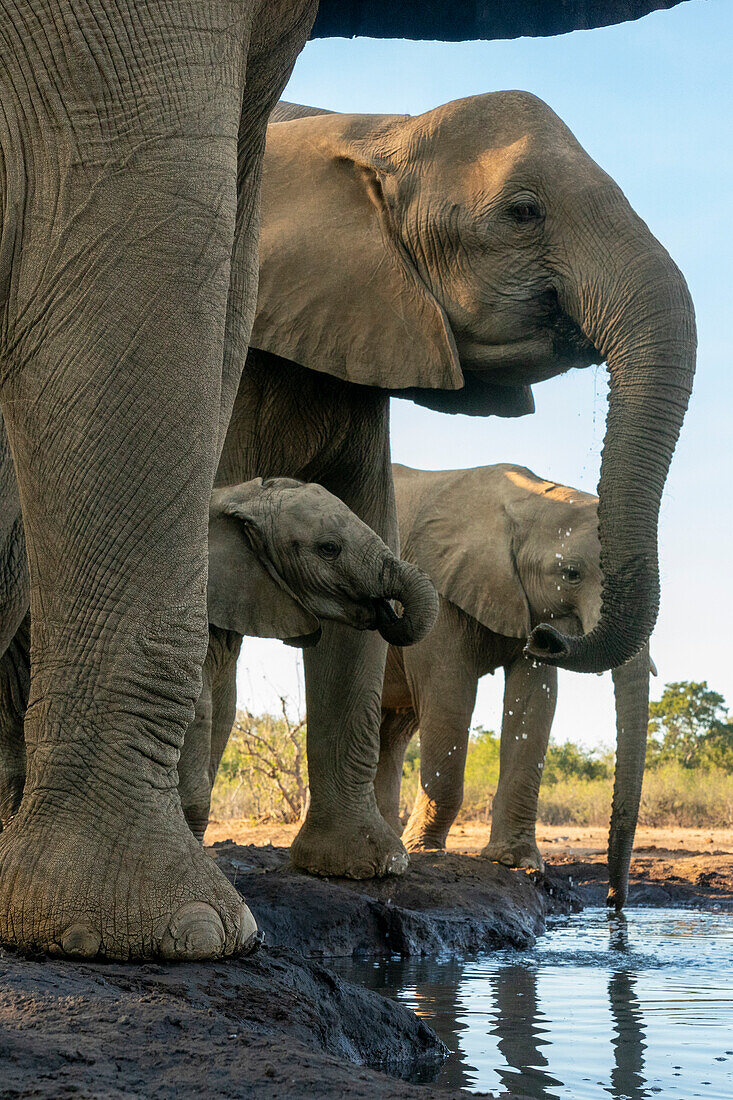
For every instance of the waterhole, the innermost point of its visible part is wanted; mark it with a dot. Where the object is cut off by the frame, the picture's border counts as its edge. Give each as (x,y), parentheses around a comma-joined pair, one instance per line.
(600,1006)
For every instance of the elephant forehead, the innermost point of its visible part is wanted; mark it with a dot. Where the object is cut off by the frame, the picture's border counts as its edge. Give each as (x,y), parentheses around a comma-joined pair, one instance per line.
(468,127)
(549,490)
(474,147)
(314,511)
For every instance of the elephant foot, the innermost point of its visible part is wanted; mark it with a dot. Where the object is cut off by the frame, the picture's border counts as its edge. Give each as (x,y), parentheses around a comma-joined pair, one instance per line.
(137,888)
(428,827)
(521,853)
(362,847)
(421,840)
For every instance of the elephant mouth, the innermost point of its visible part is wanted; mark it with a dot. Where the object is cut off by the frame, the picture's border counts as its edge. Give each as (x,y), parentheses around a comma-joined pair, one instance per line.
(384,613)
(557,346)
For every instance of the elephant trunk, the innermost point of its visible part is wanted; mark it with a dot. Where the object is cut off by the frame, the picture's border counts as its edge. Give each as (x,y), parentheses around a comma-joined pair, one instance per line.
(631,686)
(645,330)
(416,592)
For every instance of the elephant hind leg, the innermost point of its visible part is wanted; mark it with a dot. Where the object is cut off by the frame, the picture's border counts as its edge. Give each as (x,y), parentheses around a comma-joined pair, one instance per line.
(397,730)
(530,694)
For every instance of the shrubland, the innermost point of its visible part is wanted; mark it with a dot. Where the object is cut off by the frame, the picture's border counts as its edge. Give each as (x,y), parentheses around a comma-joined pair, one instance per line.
(688,780)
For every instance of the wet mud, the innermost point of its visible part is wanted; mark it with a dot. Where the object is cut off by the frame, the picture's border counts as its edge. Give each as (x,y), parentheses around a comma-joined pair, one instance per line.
(660,878)
(273,1025)
(444,902)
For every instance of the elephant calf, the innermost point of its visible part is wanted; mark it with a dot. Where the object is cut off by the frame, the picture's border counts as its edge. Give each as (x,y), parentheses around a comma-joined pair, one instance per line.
(506,550)
(283,557)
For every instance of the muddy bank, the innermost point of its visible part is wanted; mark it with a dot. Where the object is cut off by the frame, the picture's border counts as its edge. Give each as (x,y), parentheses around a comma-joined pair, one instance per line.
(270,1026)
(444,902)
(659,878)
(278,1024)
(281,1024)
(670,866)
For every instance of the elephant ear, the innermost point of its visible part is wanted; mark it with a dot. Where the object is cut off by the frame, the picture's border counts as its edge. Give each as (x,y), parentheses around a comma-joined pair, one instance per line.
(245,593)
(337,293)
(454,525)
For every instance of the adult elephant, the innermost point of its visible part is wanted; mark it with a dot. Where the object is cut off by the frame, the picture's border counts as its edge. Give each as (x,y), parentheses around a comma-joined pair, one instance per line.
(132,139)
(454,258)
(506,550)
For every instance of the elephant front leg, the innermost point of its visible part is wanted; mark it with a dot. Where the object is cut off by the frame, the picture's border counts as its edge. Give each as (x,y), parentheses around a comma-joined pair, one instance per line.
(442,678)
(207,736)
(112,350)
(443,746)
(530,694)
(397,730)
(344,832)
(194,784)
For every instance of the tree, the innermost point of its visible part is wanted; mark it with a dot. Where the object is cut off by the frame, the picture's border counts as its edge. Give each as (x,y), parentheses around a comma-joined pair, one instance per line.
(689,725)
(266,755)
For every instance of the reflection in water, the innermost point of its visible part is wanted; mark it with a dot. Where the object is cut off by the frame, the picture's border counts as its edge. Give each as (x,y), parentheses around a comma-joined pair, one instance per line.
(517,1023)
(627,1075)
(599,1007)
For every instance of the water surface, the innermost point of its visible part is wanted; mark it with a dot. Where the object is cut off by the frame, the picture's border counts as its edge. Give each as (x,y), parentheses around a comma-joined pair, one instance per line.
(627,1008)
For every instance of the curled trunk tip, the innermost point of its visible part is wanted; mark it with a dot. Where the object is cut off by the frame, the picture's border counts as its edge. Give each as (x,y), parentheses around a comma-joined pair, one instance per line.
(416,592)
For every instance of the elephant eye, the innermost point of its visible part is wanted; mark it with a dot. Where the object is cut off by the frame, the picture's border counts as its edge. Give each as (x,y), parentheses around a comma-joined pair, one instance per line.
(571,574)
(328,549)
(525,211)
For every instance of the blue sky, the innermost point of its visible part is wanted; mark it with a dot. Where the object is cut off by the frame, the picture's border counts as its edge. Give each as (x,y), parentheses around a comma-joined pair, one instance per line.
(652,102)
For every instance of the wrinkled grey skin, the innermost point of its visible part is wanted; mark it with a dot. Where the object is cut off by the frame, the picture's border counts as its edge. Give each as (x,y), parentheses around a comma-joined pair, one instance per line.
(506,551)
(131,140)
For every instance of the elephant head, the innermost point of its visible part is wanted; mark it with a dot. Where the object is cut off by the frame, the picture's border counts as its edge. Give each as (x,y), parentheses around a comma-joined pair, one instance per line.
(511,550)
(459,256)
(284,555)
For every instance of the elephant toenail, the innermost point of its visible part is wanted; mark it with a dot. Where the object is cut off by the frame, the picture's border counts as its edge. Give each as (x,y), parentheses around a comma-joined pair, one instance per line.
(80,941)
(195,931)
(397,863)
(249,938)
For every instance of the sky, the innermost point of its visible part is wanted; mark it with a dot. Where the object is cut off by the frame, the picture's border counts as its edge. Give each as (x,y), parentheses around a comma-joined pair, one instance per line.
(651,101)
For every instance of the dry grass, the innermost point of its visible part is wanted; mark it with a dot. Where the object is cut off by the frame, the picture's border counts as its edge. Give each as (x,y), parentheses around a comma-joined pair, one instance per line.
(672,795)
(263,777)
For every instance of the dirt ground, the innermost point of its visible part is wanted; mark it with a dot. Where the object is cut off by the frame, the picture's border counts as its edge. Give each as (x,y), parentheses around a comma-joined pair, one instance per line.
(470,837)
(670,866)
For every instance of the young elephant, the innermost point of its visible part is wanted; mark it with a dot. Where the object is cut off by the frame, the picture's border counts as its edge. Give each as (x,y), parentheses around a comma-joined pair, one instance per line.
(283,557)
(506,550)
